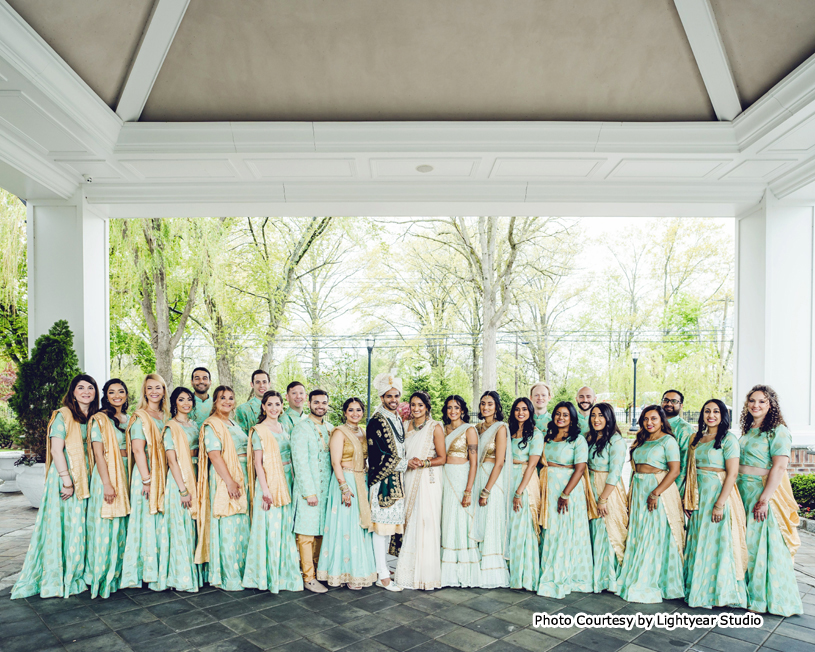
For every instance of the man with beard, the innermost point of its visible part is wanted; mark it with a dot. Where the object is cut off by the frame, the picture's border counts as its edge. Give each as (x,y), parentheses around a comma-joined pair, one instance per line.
(201,382)
(248,413)
(672,402)
(295,397)
(585,402)
(386,471)
(311,461)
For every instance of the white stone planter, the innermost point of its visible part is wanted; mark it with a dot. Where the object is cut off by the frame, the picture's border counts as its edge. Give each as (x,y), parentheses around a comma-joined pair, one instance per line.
(807,524)
(31,480)
(8,472)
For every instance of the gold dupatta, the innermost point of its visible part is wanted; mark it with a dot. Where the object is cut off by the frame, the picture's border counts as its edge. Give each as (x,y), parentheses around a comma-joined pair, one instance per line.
(73,449)
(272,465)
(785,510)
(591,504)
(672,503)
(183,455)
(157,457)
(224,505)
(115,466)
(358,461)
(617,518)
(738,520)
(533,492)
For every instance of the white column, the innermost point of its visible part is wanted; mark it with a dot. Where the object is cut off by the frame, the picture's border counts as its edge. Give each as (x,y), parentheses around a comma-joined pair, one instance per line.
(68,278)
(775,300)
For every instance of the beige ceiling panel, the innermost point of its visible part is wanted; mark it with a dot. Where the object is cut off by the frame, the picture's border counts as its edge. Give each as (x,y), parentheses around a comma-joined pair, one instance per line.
(765,40)
(97,38)
(322,60)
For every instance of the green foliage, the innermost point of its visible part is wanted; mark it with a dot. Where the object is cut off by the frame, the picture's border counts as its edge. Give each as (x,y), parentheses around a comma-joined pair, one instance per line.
(42,381)
(342,380)
(434,383)
(11,434)
(123,343)
(803,488)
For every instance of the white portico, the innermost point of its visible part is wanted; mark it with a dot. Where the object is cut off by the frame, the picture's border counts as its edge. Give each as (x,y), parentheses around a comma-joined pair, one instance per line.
(135,108)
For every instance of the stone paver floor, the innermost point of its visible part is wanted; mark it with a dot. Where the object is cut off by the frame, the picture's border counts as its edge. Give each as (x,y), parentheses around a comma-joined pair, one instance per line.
(370,620)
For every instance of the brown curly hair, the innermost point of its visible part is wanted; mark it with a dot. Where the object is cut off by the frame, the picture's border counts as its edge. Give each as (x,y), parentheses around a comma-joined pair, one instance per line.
(774,417)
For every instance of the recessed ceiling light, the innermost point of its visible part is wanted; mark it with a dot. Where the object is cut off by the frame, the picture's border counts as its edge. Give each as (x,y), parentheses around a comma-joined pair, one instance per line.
(424,168)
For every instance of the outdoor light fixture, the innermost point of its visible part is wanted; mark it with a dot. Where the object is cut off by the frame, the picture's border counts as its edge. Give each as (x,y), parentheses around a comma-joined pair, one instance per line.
(634,356)
(370,342)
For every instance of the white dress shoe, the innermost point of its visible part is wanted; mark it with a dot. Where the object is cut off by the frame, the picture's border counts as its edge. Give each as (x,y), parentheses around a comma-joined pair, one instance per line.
(390,586)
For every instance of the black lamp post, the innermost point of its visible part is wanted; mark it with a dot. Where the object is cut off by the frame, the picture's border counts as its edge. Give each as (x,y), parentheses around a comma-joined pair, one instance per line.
(634,356)
(369,342)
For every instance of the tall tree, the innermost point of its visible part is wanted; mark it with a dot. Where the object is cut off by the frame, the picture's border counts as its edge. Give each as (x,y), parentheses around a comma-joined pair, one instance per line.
(13,272)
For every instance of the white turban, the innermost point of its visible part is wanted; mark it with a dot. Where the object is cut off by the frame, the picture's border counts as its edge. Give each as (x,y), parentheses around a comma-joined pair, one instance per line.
(385,382)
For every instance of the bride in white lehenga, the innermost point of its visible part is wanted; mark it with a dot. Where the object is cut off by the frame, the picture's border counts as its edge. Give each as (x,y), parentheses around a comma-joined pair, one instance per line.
(419,565)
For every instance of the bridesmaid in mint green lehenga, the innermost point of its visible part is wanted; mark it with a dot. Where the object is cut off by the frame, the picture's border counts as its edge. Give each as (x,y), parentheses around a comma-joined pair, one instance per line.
(524,529)
(494,501)
(459,551)
(223,481)
(772,512)
(178,569)
(609,531)
(109,503)
(715,550)
(272,560)
(147,481)
(55,563)
(652,567)
(566,506)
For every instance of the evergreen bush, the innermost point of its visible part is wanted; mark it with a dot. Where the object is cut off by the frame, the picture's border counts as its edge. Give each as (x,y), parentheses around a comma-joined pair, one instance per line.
(803,488)
(42,381)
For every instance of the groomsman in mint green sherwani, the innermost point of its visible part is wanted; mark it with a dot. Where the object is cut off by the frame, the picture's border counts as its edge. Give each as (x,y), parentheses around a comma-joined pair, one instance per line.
(201,382)
(295,397)
(585,402)
(312,473)
(247,414)
(672,402)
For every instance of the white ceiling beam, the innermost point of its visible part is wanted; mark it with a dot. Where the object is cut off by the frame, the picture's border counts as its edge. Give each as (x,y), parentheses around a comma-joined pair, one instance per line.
(706,43)
(158,37)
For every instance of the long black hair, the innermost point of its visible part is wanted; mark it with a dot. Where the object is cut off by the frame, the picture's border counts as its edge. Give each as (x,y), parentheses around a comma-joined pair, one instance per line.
(465,414)
(529,424)
(724,426)
(499,411)
(574,426)
(642,433)
(108,409)
(178,391)
(600,439)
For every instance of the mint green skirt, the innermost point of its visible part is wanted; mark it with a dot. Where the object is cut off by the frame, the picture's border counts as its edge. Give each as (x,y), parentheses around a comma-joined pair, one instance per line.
(54,565)
(179,537)
(228,541)
(105,543)
(460,559)
(144,532)
(524,551)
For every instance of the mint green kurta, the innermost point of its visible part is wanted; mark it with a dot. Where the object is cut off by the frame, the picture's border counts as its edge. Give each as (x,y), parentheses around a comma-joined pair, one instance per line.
(683,432)
(524,552)
(144,530)
(711,576)
(652,566)
(606,565)
(228,535)
(272,560)
(565,563)
(201,410)
(771,584)
(290,418)
(247,414)
(312,473)
(541,421)
(54,565)
(583,422)
(179,535)
(105,538)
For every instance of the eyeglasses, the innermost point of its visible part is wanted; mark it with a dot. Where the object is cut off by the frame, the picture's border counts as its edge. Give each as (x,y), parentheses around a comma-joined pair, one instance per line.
(671,401)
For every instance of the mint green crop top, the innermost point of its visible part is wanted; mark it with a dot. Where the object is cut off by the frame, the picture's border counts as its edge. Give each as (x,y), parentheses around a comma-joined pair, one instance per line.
(533,447)
(758,448)
(239,438)
(706,455)
(567,452)
(610,460)
(192,433)
(658,453)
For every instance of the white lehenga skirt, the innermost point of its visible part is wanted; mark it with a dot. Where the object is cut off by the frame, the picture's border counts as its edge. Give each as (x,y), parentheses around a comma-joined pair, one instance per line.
(419,565)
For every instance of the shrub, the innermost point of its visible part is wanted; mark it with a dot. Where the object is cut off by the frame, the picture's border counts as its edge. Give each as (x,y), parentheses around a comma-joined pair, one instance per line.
(803,488)
(42,381)
(11,434)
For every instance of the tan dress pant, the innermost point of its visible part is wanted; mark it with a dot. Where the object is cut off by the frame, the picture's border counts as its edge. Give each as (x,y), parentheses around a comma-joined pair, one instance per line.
(308,546)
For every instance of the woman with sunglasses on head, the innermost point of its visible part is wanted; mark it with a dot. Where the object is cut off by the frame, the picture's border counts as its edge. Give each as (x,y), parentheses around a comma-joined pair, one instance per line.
(526,443)
(609,531)
(715,548)
(109,502)
(772,512)
(179,536)
(54,565)
(652,566)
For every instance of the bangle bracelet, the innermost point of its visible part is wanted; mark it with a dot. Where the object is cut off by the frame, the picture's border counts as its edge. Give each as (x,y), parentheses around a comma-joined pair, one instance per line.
(718,507)
(564,496)
(517,495)
(185,493)
(485,491)
(653,495)
(602,502)
(468,493)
